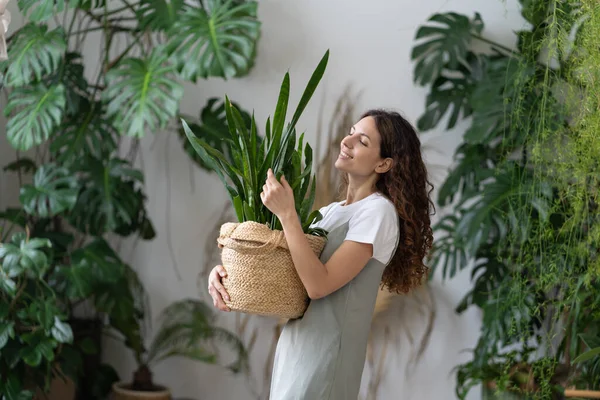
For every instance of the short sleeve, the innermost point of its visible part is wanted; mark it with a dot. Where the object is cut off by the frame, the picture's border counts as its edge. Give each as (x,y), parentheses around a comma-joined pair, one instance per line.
(376,224)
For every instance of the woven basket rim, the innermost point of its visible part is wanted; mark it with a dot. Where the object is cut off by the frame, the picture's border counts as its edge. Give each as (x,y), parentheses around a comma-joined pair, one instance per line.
(228,227)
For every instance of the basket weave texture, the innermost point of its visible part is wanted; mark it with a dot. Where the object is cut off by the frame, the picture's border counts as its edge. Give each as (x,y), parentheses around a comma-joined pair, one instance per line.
(261,277)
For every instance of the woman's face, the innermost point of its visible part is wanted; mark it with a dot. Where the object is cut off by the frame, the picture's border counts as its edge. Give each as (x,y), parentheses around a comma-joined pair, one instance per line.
(360,150)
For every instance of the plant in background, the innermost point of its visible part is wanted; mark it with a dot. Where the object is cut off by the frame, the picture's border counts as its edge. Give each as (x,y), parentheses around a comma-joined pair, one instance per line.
(187,330)
(32,325)
(251,158)
(523,191)
(71,128)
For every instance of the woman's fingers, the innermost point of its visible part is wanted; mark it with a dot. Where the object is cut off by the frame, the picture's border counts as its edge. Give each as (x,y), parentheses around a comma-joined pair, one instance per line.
(216,289)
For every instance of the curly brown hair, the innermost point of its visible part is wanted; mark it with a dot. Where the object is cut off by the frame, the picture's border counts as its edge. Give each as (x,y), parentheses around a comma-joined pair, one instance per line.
(406,185)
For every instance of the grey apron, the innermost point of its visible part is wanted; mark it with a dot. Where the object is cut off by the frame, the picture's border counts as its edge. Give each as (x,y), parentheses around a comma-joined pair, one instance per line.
(321,355)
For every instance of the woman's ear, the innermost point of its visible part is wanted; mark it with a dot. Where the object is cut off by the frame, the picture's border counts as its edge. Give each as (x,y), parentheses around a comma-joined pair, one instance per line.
(384,166)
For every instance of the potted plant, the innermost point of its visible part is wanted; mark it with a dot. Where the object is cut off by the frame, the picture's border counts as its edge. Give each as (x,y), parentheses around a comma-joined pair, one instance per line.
(522,196)
(256,241)
(187,329)
(77,135)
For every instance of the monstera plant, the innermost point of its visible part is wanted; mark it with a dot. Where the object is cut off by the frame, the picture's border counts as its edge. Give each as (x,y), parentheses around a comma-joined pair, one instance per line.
(76,131)
(523,194)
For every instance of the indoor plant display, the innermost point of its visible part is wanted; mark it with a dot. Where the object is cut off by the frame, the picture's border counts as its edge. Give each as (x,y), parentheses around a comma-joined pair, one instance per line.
(255,253)
(186,330)
(76,132)
(523,194)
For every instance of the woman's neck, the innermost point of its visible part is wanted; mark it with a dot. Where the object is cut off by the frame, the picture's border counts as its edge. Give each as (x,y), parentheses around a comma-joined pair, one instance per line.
(358,191)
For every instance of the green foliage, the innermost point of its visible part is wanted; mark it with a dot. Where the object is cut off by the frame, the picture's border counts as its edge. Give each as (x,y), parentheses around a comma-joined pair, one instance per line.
(187,330)
(523,190)
(34,114)
(77,124)
(213,129)
(251,157)
(33,329)
(216,40)
(143,95)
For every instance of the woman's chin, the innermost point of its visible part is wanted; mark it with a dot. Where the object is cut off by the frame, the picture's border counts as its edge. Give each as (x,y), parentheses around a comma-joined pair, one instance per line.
(340,165)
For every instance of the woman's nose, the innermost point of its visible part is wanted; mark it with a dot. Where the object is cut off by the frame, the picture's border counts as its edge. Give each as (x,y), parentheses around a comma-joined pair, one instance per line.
(347,141)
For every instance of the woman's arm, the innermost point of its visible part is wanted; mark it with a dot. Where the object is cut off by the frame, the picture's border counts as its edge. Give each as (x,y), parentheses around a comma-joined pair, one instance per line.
(319,279)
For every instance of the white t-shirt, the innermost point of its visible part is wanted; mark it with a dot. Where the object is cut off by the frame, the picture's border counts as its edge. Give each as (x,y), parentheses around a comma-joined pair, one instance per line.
(371,220)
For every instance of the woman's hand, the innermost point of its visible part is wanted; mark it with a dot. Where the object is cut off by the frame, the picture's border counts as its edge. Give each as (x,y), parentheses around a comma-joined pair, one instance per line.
(278,197)
(216,289)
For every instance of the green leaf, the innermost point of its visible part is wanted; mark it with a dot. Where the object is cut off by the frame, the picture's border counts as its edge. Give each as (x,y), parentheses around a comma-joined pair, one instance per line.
(33,53)
(6,331)
(23,255)
(71,74)
(187,330)
(24,165)
(158,15)
(38,346)
(12,389)
(41,10)
(448,37)
(110,197)
(88,134)
(143,94)
(7,285)
(62,331)
(217,39)
(213,129)
(53,191)
(34,112)
(446,94)
(16,216)
(588,355)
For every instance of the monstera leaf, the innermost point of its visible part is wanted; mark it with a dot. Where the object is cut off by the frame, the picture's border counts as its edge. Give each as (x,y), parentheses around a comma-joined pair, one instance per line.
(446,41)
(109,197)
(217,38)
(470,170)
(53,191)
(143,94)
(213,128)
(158,15)
(451,94)
(33,53)
(89,133)
(41,10)
(34,114)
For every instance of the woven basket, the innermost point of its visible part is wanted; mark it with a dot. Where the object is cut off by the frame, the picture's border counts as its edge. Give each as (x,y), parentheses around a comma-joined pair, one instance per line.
(261,277)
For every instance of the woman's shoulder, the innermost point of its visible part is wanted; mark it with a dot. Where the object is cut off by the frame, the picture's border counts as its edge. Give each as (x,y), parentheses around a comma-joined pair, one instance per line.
(379,204)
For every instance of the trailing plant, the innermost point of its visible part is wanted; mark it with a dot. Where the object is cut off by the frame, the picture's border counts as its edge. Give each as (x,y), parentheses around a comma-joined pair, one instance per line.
(523,190)
(251,158)
(77,135)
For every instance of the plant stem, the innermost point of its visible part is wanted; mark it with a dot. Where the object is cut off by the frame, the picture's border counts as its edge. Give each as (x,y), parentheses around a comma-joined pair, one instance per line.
(113,28)
(128,5)
(492,43)
(73,18)
(127,50)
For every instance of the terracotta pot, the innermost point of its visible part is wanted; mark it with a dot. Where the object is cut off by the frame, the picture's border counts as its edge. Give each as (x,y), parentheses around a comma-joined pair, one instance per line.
(121,392)
(59,390)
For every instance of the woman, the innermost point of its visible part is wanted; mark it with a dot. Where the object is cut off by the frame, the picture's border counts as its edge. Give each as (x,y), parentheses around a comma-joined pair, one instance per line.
(379,235)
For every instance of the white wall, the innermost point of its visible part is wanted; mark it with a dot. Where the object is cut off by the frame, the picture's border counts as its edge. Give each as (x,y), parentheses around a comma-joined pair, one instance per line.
(370,44)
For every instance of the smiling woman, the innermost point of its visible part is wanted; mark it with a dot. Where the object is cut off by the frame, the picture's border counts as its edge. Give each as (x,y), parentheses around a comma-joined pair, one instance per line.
(378,235)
